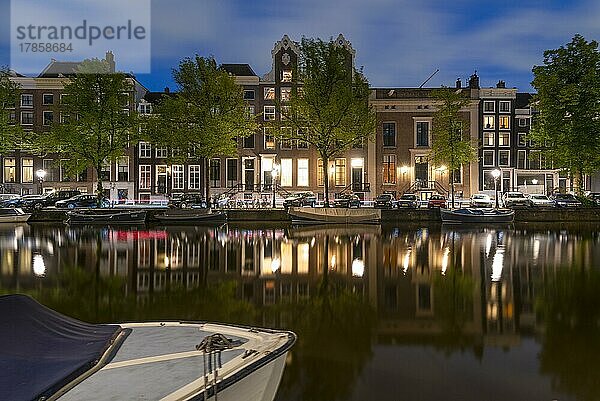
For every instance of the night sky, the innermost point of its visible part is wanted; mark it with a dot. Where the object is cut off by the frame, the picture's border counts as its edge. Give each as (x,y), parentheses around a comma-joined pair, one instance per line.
(399,43)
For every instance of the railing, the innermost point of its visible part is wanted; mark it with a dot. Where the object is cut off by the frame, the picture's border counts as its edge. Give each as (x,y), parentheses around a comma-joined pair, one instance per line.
(356,187)
(422,185)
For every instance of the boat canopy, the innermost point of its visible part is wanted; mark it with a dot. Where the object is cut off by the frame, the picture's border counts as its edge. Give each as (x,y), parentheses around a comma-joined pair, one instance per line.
(42,350)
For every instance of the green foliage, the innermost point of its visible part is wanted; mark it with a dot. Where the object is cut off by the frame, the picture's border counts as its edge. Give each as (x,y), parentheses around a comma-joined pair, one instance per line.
(451,144)
(567,128)
(97,124)
(331,108)
(205,118)
(11,134)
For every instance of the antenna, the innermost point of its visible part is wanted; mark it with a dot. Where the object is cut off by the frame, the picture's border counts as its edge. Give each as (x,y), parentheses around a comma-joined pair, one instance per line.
(431,76)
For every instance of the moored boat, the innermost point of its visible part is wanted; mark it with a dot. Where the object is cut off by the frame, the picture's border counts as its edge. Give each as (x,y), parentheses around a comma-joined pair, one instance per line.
(45,355)
(335,215)
(477,215)
(193,217)
(107,216)
(13,215)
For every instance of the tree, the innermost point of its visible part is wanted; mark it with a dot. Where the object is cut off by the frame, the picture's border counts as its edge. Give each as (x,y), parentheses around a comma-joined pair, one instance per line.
(205,118)
(97,125)
(331,109)
(11,134)
(451,144)
(567,128)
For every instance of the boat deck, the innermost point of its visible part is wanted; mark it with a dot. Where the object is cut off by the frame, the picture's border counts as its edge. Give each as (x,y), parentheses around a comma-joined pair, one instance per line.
(138,372)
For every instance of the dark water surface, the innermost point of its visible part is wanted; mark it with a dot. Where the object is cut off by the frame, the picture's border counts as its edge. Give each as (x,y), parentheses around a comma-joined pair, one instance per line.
(381,313)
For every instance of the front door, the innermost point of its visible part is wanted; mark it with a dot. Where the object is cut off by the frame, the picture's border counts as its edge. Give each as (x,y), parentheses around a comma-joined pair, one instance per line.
(357,179)
(421,171)
(248,174)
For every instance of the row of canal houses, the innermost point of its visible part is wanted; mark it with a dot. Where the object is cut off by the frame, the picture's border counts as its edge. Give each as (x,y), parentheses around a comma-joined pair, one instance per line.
(396,161)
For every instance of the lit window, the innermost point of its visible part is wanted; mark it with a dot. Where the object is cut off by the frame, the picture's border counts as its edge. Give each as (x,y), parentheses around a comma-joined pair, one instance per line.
(269,93)
(286,172)
(27,170)
(488,106)
(389,169)
(488,139)
(303,172)
(286,76)
(504,122)
(340,172)
(269,138)
(286,94)
(9,170)
(489,122)
(504,139)
(302,144)
(320,179)
(269,113)
(145,176)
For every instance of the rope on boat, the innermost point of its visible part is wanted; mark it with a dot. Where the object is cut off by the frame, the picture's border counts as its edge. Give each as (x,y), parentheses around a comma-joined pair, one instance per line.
(213,345)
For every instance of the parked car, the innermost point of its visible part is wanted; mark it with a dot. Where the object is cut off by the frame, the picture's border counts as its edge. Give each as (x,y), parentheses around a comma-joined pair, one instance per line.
(347,200)
(566,200)
(5,197)
(540,200)
(306,198)
(595,197)
(188,199)
(481,200)
(83,200)
(49,199)
(515,198)
(385,201)
(408,200)
(438,201)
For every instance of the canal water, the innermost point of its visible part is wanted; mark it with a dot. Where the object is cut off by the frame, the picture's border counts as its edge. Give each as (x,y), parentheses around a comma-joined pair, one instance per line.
(381,313)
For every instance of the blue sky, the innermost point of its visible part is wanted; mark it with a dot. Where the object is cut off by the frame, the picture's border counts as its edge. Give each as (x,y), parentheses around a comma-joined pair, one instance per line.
(399,42)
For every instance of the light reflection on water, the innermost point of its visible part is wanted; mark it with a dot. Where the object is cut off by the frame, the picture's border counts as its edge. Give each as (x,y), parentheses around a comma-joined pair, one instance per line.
(381,313)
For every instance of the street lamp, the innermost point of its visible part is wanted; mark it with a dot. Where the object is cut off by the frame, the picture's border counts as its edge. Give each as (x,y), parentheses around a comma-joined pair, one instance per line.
(496,174)
(274,173)
(40,175)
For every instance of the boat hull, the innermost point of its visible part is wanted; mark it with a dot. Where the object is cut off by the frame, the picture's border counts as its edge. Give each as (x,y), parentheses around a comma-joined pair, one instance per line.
(477,216)
(13,215)
(107,218)
(191,218)
(309,215)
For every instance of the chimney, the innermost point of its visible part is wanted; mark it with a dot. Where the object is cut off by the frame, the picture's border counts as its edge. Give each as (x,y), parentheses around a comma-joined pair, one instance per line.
(458,84)
(501,85)
(167,90)
(110,59)
(474,81)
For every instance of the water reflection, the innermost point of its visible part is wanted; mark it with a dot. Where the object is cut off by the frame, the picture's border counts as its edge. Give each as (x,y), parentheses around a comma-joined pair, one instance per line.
(346,291)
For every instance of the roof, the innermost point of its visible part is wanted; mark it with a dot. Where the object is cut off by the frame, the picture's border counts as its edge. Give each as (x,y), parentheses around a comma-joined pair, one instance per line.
(523,99)
(412,93)
(59,68)
(241,70)
(155,97)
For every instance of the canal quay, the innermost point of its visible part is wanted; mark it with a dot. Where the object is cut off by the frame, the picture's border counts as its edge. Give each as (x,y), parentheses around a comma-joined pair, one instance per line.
(412,310)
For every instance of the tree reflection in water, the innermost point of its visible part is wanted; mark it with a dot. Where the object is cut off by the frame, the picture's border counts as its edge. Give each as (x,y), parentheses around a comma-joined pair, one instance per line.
(570,306)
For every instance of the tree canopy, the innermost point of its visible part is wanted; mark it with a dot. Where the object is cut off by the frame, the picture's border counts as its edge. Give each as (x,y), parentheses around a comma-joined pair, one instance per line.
(206,116)
(11,134)
(97,125)
(329,107)
(451,144)
(567,128)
